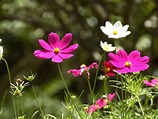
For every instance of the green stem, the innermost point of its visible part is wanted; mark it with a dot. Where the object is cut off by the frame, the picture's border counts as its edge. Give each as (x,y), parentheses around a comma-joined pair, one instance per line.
(67,89)
(9,76)
(106,86)
(141,106)
(63,80)
(3,101)
(96,75)
(90,88)
(39,106)
(22,108)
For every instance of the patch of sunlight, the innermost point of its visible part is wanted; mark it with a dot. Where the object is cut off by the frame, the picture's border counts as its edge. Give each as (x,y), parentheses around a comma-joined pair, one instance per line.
(144,42)
(92,21)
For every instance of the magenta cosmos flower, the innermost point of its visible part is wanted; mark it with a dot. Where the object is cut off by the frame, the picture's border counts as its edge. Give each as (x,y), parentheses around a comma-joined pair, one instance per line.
(83,68)
(152,83)
(100,103)
(128,63)
(55,49)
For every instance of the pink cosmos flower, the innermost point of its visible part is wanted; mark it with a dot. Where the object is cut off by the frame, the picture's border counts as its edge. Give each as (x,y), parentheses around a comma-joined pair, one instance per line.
(100,103)
(55,49)
(152,83)
(83,68)
(128,63)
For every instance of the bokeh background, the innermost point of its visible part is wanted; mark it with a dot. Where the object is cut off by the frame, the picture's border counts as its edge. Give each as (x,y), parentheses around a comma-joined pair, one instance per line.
(23,22)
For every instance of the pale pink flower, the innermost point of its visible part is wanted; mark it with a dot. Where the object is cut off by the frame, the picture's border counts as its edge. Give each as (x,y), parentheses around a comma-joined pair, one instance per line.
(100,103)
(152,83)
(55,49)
(128,63)
(83,68)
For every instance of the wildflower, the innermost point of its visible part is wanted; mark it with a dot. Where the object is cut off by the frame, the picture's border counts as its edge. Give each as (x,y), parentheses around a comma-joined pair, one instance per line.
(30,77)
(56,50)
(116,30)
(101,77)
(83,68)
(152,83)
(1,50)
(128,63)
(107,47)
(100,103)
(108,68)
(17,89)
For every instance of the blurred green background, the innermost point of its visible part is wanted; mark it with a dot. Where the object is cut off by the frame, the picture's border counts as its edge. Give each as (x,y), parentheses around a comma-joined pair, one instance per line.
(23,22)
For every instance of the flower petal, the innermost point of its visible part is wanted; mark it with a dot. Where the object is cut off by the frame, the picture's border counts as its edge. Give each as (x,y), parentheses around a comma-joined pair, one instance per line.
(57,59)
(115,60)
(134,56)
(111,96)
(118,25)
(45,45)
(70,48)
(65,56)
(148,83)
(66,40)
(122,70)
(123,55)
(124,28)
(154,81)
(53,39)
(43,54)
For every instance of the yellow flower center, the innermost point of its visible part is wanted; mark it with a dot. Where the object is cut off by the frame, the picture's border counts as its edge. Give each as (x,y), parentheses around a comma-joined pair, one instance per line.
(107,69)
(115,32)
(56,50)
(97,106)
(106,100)
(82,66)
(127,64)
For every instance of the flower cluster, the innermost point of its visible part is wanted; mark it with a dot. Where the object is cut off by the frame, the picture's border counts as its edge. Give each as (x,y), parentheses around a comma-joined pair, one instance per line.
(100,103)
(119,62)
(18,89)
(83,68)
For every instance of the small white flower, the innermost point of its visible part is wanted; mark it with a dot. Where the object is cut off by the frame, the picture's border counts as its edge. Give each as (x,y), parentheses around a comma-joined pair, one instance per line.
(116,30)
(107,47)
(101,77)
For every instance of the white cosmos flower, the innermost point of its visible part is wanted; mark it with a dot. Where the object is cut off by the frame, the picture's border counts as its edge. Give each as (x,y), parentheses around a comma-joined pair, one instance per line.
(107,47)
(116,30)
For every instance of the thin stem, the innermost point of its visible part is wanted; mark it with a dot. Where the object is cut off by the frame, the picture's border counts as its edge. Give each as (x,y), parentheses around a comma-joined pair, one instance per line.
(141,107)
(63,80)
(17,106)
(22,108)
(3,101)
(90,88)
(96,75)
(67,88)
(9,77)
(106,86)
(39,106)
